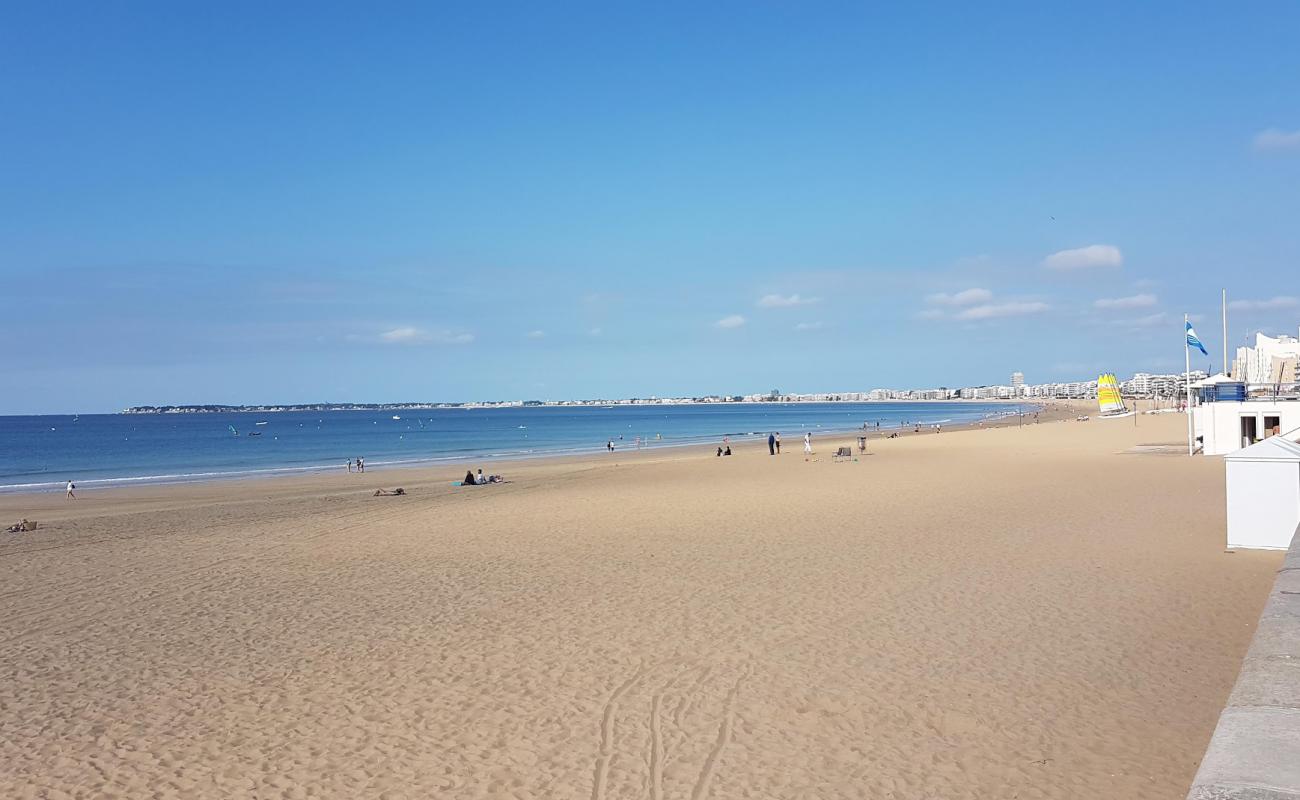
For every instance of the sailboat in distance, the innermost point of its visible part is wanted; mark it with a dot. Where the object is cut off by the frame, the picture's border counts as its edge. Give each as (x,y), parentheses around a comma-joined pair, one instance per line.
(1108,397)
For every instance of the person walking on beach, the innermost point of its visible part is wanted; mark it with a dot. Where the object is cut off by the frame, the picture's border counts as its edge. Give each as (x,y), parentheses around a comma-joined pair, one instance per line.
(349,465)
(778,443)
(771,444)
(71,486)
(807,444)
(361,464)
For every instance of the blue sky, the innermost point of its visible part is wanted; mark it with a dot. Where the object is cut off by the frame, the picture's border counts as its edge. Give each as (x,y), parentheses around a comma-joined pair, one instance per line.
(251,202)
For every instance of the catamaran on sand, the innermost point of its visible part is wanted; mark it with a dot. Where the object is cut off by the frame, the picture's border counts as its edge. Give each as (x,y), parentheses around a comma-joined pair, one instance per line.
(1108,397)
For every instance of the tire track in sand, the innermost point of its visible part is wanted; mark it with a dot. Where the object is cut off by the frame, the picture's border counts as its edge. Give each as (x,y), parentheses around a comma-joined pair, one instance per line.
(701,790)
(607,734)
(657,737)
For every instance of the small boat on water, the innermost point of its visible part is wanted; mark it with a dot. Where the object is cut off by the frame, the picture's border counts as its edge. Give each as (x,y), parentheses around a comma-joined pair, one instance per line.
(254,433)
(259,423)
(396,417)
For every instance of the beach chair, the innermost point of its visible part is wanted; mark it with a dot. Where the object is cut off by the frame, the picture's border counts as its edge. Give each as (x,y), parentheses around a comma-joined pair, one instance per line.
(843,452)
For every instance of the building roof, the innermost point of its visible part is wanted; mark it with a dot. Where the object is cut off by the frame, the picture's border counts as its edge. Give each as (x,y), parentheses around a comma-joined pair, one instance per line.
(1213,380)
(1274,448)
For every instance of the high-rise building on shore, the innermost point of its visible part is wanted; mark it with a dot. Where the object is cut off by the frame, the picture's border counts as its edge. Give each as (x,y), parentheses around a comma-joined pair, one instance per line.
(1018,382)
(1273,359)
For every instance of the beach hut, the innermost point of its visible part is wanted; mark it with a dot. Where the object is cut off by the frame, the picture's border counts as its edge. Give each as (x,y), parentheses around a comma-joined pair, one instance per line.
(1264,494)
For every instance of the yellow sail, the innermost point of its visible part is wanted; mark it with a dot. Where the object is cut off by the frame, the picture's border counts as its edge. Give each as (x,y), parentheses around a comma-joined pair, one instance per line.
(1108,394)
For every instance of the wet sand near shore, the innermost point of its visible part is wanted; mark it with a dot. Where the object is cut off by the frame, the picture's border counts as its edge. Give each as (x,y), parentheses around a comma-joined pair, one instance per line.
(1014,612)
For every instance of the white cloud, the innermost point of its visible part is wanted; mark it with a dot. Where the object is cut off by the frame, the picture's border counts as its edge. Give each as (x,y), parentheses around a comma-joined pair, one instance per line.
(536,334)
(1273,140)
(996,310)
(1090,257)
(810,326)
(733,321)
(1133,301)
(1264,305)
(412,335)
(965,297)
(785,301)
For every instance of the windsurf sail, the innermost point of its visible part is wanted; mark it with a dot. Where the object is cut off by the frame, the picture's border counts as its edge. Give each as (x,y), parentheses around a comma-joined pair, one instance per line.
(1108,394)
(232,430)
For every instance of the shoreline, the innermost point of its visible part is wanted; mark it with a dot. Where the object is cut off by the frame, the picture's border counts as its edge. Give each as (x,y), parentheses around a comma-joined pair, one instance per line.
(435,474)
(285,471)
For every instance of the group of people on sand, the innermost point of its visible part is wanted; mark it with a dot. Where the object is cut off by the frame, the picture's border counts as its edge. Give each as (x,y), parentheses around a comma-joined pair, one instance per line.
(774,443)
(480,479)
(359,465)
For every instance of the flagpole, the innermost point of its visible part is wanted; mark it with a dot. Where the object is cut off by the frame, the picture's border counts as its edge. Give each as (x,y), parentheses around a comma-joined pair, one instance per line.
(1225,332)
(1187,377)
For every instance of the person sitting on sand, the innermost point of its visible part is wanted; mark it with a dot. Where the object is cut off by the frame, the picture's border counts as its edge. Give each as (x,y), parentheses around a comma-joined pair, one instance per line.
(727,452)
(719,453)
(469,478)
(385,493)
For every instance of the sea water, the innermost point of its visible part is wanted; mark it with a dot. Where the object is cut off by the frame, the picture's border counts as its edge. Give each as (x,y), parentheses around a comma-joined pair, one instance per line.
(41,453)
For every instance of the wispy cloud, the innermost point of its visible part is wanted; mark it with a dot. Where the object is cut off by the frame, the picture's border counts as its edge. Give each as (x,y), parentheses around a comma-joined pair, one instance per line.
(733,321)
(965,297)
(786,301)
(1093,256)
(595,332)
(412,335)
(1272,140)
(1272,303)
(998,310)
(810,326)
(1132,301)
(536,334)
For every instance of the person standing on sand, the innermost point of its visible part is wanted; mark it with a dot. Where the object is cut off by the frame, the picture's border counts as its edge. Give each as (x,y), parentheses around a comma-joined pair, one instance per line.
(349,465)
(361,464)
(71,486)
(807,444)
(778,443)
(771,444)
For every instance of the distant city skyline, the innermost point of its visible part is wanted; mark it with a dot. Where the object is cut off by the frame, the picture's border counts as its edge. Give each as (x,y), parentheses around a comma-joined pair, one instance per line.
(291,202)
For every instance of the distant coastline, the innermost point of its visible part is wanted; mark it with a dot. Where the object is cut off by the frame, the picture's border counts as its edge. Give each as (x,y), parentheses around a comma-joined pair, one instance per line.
(274,409)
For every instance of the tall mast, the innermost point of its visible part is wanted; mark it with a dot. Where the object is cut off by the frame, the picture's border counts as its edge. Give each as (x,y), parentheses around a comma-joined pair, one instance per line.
(1225,332)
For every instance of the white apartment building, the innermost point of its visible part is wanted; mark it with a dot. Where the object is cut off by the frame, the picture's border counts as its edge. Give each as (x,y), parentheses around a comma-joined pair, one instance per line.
(1273,359)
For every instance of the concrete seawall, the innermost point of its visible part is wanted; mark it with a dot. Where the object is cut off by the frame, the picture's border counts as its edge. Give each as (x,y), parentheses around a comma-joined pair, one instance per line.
(1255,752)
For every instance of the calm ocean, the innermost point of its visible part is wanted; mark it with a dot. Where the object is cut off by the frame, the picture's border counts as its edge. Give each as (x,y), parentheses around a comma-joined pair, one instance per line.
(40,453)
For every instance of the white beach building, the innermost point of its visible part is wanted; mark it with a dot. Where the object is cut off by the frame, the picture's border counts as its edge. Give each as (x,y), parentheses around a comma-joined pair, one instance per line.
(1264,494)
(1231,414)
(1227,426)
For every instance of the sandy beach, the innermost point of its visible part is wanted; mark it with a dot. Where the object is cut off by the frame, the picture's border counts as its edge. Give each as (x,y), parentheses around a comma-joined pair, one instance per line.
(1034,612)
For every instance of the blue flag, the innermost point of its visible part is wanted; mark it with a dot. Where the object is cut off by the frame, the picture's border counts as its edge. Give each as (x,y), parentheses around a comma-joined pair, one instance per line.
(1193,341)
